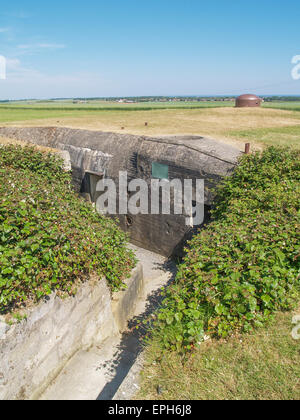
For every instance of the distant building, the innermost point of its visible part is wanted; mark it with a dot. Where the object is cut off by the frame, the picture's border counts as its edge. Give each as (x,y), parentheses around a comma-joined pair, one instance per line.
(248,100)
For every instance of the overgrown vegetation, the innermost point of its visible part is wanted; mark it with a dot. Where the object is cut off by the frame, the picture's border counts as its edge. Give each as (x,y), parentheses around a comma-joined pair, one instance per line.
(49,238)
(264,365)
(244,265)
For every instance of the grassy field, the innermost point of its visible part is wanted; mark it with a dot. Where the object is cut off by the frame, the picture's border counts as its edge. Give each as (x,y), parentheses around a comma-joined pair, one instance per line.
(260,126)
(262,366)
(271,136)
(108,105)
(290,106)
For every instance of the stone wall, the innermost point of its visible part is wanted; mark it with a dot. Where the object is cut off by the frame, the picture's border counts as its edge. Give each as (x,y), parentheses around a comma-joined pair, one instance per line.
(34,351)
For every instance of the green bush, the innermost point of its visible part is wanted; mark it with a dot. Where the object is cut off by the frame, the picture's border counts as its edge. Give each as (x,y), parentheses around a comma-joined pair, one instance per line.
(49,238)
(244,265)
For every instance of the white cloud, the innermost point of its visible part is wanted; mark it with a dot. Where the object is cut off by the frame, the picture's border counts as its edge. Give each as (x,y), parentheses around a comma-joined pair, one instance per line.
(37,48)
(41,46)
(52,46)
(3,30)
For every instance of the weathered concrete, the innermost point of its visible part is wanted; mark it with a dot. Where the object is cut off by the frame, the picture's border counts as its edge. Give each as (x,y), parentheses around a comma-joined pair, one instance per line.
(187,157)
(34,351)
(83,376)
(131,384)
(124,304)
(111,369)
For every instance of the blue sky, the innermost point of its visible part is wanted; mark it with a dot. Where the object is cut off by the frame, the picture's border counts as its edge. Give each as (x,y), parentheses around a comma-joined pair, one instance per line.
(158,47)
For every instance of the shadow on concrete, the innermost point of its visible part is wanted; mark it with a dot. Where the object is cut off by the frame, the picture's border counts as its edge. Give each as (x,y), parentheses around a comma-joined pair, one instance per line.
(132,342)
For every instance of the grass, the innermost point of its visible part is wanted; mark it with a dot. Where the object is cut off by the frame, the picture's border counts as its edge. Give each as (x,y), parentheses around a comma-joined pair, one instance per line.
(13,115)
(281,136)
(290,106)
(264,365)
(228,124)
(110,105)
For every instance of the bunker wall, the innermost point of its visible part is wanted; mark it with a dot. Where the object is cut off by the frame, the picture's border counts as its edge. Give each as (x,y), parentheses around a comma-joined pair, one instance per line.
(34,351)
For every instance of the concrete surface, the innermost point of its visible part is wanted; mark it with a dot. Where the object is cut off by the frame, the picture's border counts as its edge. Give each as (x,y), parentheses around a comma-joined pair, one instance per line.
(131,383)
(111,370)
(124,303)
(158,273)
(56,334)
(33,351)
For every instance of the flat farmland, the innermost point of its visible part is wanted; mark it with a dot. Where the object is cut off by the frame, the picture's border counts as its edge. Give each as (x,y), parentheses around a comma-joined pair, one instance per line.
(273,123)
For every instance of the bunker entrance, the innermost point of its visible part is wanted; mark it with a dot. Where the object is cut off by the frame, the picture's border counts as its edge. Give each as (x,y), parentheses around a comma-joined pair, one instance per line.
(89,185)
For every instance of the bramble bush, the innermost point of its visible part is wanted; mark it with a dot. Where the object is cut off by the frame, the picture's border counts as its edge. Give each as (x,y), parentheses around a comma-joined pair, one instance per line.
(244,265)
(49,238)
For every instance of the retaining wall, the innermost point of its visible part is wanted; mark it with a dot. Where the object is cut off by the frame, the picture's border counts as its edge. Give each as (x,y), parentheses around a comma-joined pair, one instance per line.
(34,351)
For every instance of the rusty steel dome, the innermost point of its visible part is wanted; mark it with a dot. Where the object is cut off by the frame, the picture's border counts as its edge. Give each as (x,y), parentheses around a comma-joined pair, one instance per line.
(248,100)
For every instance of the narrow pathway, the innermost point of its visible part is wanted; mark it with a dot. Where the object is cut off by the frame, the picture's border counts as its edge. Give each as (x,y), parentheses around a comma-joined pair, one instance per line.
(111,371)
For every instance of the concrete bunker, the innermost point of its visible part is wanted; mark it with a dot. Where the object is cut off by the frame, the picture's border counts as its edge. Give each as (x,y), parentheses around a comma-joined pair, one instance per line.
(96,155)
(248,101)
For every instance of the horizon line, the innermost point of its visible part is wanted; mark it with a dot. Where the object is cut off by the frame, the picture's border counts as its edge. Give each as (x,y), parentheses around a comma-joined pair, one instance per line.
(144,96)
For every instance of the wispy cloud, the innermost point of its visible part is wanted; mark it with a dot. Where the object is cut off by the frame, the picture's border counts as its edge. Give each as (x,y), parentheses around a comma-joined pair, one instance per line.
(26,82)
(41,46)
(37,48)
(13,64)
(3,30)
